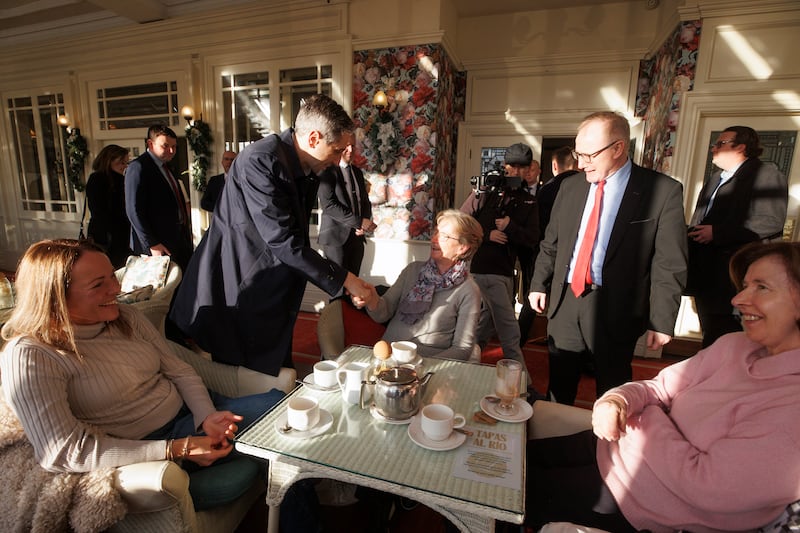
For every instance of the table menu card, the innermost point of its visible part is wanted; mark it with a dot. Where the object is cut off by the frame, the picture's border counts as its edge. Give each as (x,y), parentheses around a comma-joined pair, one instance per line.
(491,456)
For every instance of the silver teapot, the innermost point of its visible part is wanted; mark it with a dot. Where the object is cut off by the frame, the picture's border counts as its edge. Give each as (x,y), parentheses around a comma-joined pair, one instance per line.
(396,392)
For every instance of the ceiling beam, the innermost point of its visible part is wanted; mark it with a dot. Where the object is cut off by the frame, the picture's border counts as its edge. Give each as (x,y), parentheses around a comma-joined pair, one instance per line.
(141,11)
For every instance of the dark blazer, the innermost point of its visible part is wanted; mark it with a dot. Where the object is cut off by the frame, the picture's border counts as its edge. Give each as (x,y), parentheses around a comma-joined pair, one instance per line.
(108,225)
(240,296)
(338,220)
(750,206)
(645,265)
(154,212)
(213,189)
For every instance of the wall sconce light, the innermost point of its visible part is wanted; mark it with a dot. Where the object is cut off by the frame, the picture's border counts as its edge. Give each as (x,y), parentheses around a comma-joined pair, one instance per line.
(64,122)
(188,113)
(380,101)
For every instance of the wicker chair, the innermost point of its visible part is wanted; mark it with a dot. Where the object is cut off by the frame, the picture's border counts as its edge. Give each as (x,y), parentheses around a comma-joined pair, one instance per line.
(157,306)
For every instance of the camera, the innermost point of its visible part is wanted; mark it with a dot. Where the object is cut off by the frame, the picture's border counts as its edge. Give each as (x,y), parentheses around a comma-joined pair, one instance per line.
(494,180)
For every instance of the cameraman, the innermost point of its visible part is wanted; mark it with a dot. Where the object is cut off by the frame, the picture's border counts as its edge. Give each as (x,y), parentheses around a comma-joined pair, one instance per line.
(510,220)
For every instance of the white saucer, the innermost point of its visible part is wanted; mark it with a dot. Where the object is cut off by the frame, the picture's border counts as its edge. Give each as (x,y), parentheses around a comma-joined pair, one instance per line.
(416,434)
(308,381)
(324,424)
(524,411)
(398,421)
(416,363)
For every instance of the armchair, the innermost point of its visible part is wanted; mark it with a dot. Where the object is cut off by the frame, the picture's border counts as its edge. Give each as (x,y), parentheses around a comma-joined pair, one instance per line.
(157,492)
(156,307)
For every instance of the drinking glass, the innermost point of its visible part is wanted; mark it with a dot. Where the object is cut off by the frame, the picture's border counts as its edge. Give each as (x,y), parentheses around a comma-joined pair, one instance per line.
(506,385)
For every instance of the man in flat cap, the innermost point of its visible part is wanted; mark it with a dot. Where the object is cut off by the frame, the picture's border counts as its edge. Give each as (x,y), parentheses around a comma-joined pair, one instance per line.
(510,220)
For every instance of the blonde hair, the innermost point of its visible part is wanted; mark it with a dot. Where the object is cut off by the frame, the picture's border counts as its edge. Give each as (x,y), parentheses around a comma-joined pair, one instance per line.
(469,230)
(42,281)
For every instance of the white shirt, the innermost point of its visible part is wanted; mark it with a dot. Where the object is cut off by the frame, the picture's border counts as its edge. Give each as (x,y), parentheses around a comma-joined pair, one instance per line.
(613,190)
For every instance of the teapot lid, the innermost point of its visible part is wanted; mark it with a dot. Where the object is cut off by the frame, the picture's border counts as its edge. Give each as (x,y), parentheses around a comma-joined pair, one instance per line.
(399,375)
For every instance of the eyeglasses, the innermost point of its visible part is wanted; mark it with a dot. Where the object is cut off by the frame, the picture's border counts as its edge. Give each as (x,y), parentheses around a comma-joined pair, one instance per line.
(589,157)
(444,236)
(720,144)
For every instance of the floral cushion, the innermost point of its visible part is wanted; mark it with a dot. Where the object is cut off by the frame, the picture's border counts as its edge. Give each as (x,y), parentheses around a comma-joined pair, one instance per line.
(144,270)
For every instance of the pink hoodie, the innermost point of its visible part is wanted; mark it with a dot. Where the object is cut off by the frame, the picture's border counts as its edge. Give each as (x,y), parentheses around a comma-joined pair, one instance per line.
(712,443)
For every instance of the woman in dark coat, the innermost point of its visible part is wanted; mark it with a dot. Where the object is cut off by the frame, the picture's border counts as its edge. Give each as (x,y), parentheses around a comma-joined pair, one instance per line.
(105,194)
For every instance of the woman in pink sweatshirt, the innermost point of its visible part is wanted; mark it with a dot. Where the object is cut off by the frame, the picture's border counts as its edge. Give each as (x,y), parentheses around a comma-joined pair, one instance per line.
(710,444)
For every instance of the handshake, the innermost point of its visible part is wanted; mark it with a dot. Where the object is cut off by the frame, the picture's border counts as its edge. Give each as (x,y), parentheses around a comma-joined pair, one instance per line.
(362,294)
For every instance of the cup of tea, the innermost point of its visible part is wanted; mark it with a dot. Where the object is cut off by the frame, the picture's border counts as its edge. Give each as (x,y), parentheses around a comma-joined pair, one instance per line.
(404,352)
(302,413)
(438,421)
(509,372)
(325,374)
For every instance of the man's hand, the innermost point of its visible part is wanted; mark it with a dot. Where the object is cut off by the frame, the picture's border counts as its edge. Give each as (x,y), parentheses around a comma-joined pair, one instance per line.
(656,340)
(367,225)
(358,289)
(609,417)
(502,223)
(159,249)
(538,301)
(498,236)
(703,234)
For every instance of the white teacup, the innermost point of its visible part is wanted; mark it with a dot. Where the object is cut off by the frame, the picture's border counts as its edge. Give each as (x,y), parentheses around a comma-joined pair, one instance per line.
(325,374)
(404,351)
(438,421)
(302,413)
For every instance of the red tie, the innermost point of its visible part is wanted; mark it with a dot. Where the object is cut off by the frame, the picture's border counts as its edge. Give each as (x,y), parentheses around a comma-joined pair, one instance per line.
(178,195)
(582,276)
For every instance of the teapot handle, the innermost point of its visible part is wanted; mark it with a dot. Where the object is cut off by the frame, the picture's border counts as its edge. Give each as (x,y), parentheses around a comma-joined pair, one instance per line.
(363,396)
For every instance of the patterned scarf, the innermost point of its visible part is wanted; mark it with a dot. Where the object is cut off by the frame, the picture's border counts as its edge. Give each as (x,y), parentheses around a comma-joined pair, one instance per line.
(418,301)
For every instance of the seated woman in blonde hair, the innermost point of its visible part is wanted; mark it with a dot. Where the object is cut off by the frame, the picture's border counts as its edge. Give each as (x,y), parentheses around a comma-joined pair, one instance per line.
(436,303)
(95,385)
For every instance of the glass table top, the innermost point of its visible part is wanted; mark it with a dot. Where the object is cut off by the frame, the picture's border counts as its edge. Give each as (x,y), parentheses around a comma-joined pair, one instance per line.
(361,444)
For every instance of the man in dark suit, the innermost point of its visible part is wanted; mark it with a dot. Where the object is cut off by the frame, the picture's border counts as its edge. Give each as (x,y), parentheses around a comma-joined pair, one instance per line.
(155,203)
(346,213)
(626,277)
(215,183)
(744,201)
(242,291)
(563,165)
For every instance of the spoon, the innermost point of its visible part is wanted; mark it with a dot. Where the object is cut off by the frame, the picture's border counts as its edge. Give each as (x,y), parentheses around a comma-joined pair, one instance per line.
(495,399)
(286,428)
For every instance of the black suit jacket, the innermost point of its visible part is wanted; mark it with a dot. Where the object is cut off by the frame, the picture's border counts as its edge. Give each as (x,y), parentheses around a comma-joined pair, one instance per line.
(338,219)
(213,189)
(750,206)
(644,272)
(154,212)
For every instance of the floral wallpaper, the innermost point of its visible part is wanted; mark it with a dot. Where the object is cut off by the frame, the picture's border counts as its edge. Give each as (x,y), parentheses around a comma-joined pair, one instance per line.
(662,80)
(407,150)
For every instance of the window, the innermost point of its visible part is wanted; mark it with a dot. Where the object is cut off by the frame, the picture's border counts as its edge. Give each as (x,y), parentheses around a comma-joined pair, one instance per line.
(251,114)
(40,148)
(138,106)
(248,109)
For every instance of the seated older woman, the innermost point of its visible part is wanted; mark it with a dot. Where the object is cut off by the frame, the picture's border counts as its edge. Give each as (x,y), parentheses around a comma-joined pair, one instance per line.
(436,303)
(709,444)
(95,385)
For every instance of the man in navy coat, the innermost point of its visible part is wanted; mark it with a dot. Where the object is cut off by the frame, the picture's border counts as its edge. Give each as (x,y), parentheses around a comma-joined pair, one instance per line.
(242,291)
(154,201)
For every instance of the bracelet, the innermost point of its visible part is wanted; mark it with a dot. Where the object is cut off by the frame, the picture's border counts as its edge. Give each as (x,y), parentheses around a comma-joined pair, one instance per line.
(169,450)
(185,451)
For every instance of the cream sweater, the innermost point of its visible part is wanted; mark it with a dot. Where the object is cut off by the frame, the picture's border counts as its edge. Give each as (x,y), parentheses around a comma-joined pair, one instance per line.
(85,414)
